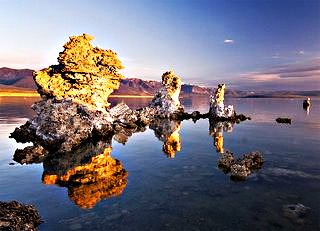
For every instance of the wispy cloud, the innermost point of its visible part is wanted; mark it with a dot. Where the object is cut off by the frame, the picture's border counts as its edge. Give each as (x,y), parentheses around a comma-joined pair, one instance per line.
(297,76)
(276,56)
(228,41)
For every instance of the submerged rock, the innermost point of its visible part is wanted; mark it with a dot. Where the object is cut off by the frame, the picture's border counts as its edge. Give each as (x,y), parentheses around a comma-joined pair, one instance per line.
(296,212)
(240,168)
(18,217)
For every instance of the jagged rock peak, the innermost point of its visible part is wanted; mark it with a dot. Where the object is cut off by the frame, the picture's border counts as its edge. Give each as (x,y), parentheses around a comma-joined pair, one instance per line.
(219,93)
(217,108)
(87,75)
(172,83)
(166,100)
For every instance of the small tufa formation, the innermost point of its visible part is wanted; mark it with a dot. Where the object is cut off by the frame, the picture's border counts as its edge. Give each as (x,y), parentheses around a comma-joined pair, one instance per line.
(217,108)
(240,168)
(16,216)
(307,102)
(284,120)
(85,74)
(166,101)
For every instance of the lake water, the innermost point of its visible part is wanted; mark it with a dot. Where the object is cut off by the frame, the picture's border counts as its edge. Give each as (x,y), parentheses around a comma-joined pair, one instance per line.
(189,191)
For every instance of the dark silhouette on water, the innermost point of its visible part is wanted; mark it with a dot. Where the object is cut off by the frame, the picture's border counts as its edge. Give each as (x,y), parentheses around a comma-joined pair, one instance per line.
(306,105)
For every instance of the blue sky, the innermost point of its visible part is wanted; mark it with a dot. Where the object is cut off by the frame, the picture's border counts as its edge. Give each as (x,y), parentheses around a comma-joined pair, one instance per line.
(261,44)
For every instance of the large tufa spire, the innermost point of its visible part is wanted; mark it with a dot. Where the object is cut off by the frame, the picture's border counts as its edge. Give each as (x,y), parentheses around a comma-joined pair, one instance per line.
(87,75)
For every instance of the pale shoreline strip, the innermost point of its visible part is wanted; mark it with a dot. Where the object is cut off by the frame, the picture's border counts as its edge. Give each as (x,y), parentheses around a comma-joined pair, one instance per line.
(36,94)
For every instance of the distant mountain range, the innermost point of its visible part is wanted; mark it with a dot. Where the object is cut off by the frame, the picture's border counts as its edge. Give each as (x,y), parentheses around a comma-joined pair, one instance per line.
(16,78)
(22,80)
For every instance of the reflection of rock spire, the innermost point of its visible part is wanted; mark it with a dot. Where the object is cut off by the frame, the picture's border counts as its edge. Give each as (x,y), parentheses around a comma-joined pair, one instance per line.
(172,144)
(168,132)
(216,130)
(101,177)
(89,172)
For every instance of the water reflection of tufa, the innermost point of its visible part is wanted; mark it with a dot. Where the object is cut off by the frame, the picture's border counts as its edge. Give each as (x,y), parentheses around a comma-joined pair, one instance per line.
(167,131)
(89,173)
(216,130)
(240,168)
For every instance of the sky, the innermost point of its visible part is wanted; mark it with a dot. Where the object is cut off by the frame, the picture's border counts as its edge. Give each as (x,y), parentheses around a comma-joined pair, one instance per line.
(247,44)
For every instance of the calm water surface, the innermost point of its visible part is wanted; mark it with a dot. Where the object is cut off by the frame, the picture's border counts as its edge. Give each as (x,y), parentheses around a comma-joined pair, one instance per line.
(189,191)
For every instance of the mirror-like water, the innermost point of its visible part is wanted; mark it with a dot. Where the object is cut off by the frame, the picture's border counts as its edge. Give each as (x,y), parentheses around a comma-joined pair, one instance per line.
(148,189)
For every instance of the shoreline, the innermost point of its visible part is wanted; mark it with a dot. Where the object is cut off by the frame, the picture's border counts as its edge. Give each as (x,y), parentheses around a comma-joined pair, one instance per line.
(36,94)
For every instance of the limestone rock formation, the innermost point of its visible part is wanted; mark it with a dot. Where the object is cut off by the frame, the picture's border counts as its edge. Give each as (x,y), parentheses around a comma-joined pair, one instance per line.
(74,93)
(17,216)
(87,75)
(240,168)
(30,155)
(217,108)
(166,101)
(62,125)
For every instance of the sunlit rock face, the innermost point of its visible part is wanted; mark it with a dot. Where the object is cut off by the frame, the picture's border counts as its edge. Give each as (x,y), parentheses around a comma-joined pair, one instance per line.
(167,131)
(87,75)
(217,108)
(89,177)
(166,100)
(74,93)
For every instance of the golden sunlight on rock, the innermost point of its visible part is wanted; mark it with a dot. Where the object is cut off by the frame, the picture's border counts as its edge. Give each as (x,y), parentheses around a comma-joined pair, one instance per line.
(85,74)
(219,93)
(172,83)
(87,184)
